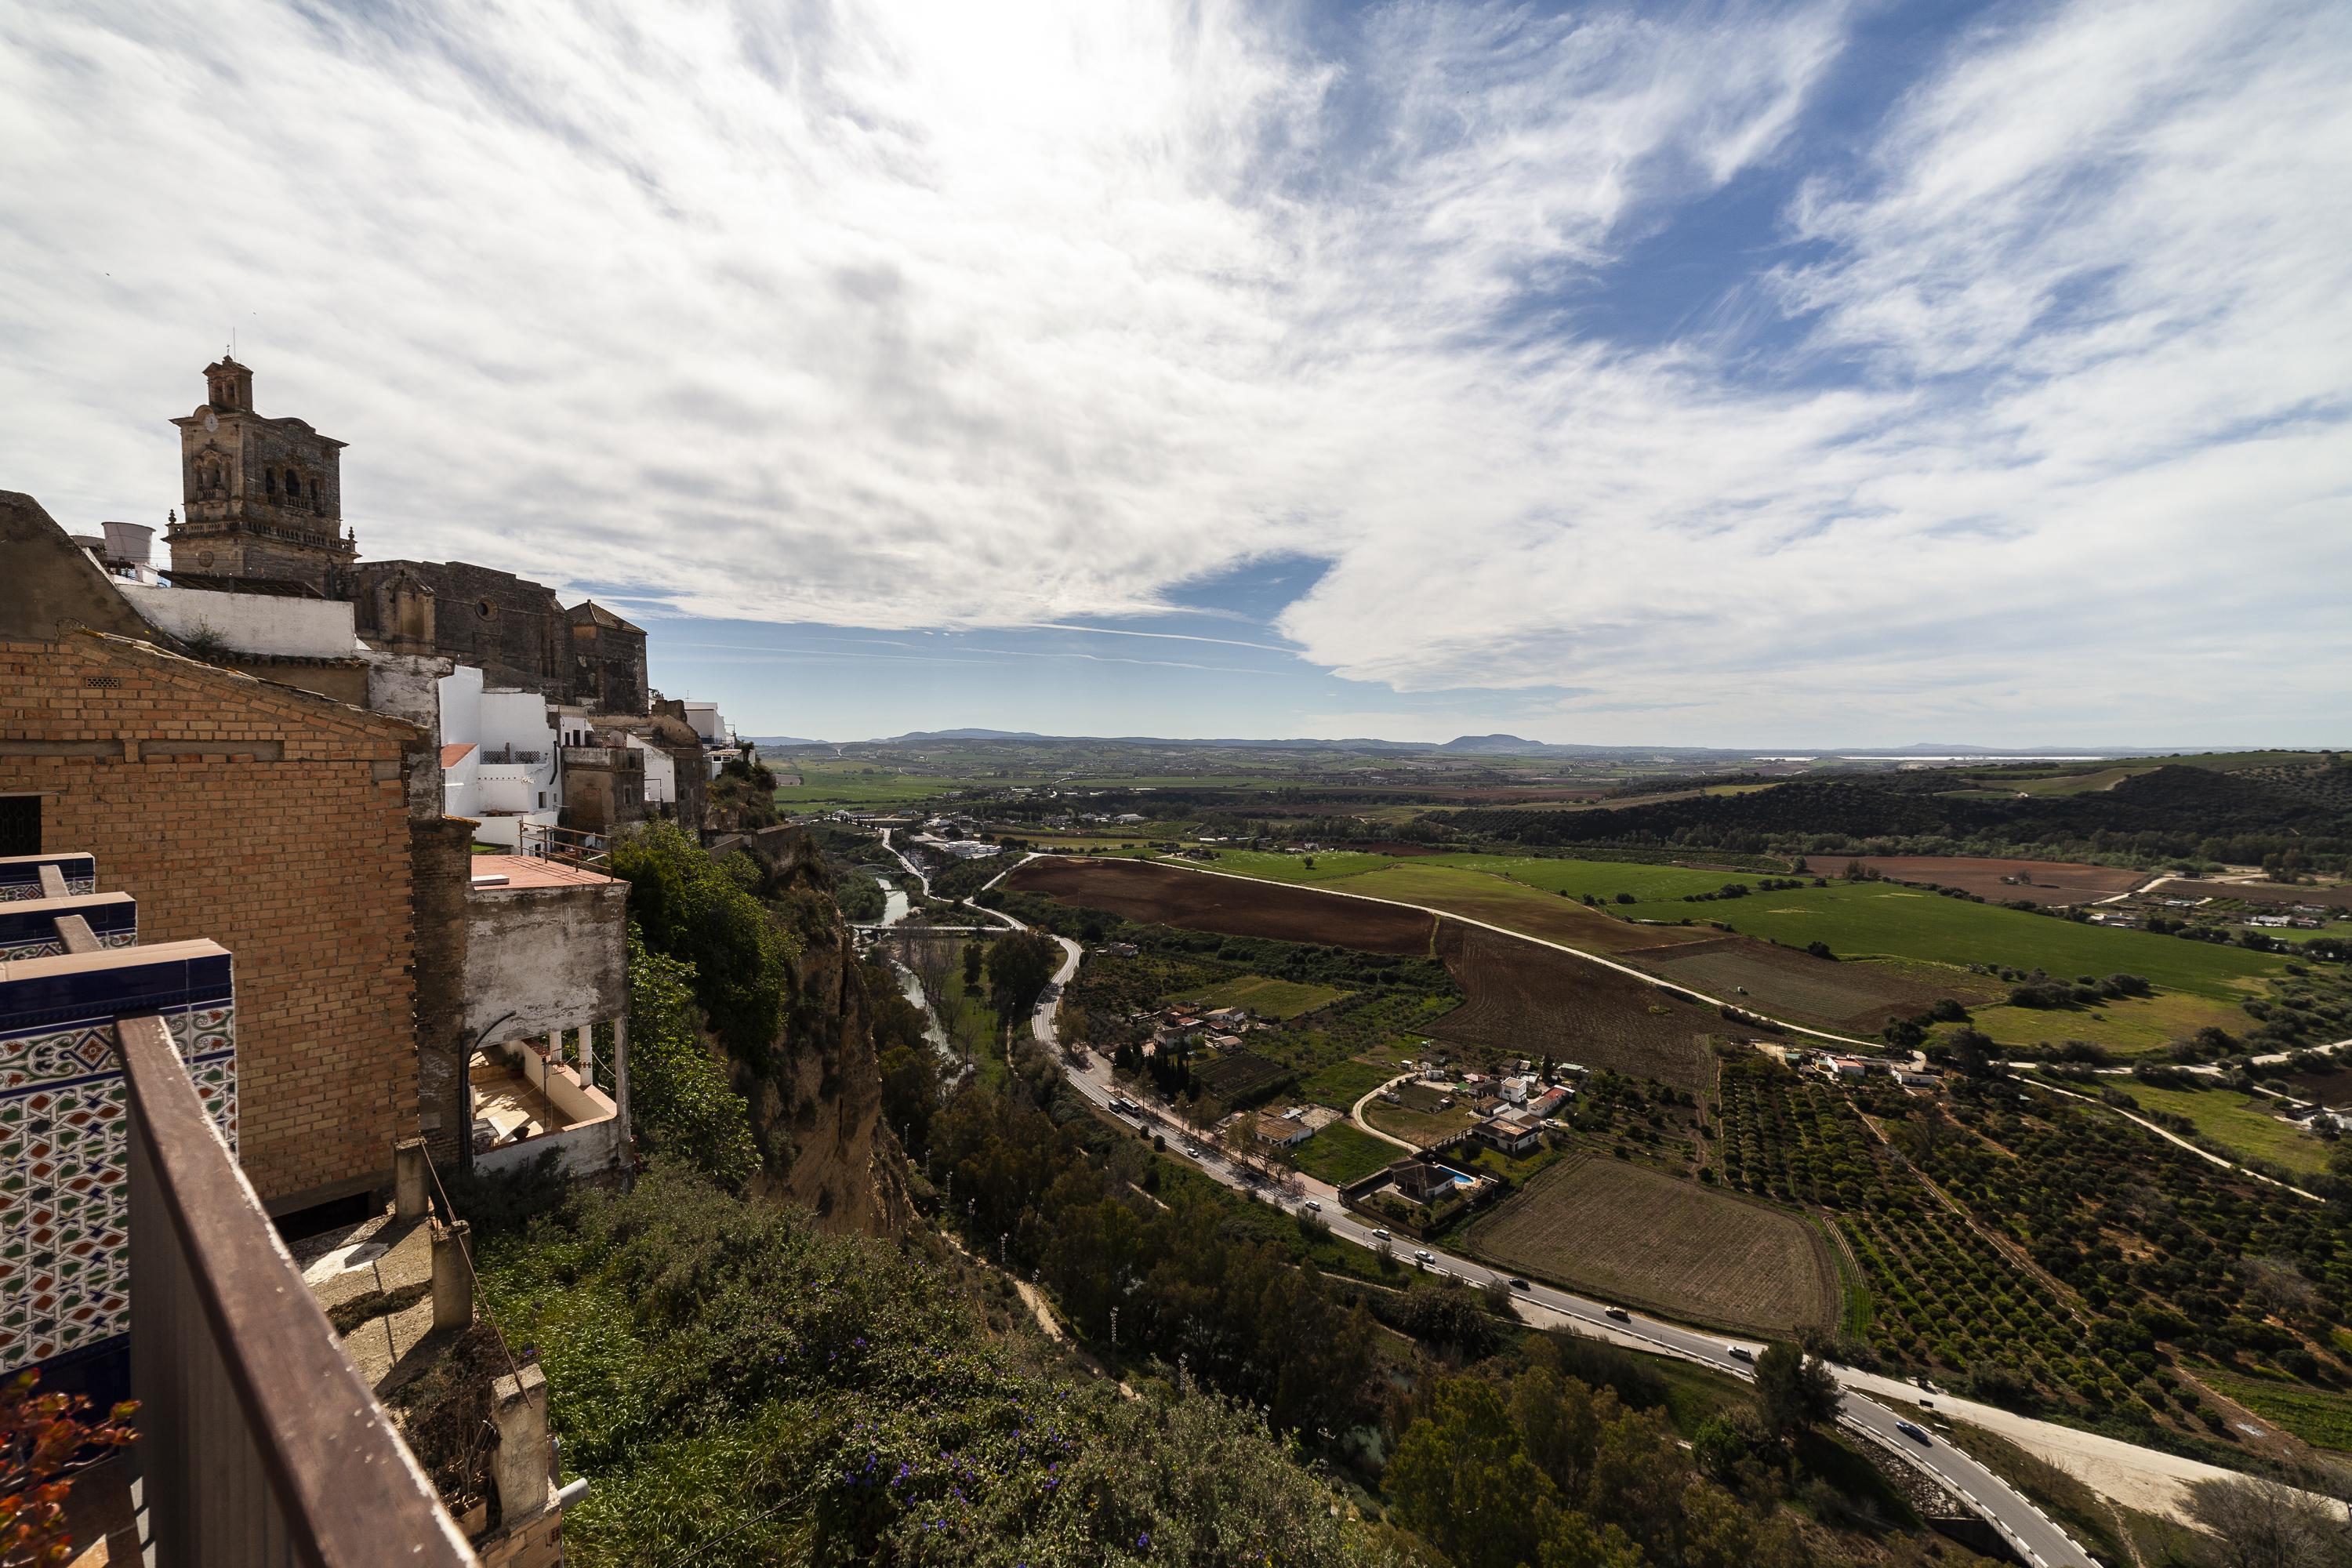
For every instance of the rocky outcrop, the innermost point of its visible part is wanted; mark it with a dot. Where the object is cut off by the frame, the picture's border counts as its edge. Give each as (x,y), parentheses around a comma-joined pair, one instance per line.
(816,1104)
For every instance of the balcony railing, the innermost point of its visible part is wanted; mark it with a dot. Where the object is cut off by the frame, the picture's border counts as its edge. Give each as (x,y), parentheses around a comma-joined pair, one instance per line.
(589,851)
(258,1442)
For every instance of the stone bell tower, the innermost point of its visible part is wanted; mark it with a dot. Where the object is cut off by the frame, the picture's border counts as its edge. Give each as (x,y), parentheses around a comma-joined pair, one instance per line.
(262,499)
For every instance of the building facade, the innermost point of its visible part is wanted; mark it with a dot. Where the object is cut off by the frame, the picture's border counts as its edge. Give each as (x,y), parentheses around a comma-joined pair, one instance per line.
(272,820)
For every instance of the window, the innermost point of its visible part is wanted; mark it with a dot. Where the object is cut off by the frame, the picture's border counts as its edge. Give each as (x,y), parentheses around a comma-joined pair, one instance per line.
(20,825)
(269,483)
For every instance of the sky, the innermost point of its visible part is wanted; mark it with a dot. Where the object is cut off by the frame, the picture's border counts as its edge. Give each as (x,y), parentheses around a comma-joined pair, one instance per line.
(1780,375)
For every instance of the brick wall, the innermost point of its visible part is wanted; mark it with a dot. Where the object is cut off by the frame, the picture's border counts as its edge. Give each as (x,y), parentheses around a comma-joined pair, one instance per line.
(275,822)
(442,862)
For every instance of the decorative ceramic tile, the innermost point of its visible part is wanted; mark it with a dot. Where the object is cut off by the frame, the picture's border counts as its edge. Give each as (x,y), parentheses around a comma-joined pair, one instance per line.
(20,875)
(28,926)
(65,1138)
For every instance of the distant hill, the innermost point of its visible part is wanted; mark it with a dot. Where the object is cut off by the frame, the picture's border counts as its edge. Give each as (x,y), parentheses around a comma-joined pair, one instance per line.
(782,740)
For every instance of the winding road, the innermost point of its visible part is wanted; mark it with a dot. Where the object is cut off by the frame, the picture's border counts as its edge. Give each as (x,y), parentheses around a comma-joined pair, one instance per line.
(2144,1478)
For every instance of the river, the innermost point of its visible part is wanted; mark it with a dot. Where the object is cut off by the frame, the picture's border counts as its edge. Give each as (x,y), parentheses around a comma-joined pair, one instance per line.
(895,907)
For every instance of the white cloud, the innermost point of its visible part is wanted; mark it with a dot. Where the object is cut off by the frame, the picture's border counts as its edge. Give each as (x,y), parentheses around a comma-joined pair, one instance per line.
(955,315)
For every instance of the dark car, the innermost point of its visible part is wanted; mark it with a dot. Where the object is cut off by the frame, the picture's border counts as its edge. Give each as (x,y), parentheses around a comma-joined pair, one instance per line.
(1619,1313)
(1917,1434)
(1518,1284)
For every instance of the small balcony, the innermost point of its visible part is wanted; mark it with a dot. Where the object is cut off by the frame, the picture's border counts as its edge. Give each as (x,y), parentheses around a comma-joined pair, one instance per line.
(547,1010)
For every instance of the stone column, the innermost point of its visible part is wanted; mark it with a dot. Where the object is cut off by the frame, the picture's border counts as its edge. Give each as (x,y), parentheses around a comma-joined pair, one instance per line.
(409,1179)
(518,1407)
(453,1276)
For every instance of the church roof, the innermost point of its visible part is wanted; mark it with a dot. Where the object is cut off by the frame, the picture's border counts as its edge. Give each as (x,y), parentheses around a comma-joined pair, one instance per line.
(588,612)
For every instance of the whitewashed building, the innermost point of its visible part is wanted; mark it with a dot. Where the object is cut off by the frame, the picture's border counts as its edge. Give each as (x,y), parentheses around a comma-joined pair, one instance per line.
(498,758)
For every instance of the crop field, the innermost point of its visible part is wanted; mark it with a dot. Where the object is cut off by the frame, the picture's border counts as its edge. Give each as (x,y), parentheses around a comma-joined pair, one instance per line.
(1343,1151)
(1856,995)
(2126,1025)
(1420,1127)
(1140,890)
(2253,892)
(1862,919)
(1266,998)
(2242,1122)
(2323,1420)
(1604,880)
(1941,1296)
(1632,1234)
(1325,868)
(2072,784)
(1343,1083)
(861,786)
(2054,881)
(2332,1087)
(1511,904)
(1238,1076)
(1535,1001)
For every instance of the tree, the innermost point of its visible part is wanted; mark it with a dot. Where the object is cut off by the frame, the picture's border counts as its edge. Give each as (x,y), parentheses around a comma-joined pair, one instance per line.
(689,907)
(681,1101)
(2262,1524)
(1574,1541)
(1019,965)
(973,954)
(1462,1479)
(1794,1391)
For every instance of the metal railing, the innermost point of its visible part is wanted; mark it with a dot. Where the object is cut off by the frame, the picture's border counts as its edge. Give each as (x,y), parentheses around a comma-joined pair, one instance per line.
(566,846)
(258,1442)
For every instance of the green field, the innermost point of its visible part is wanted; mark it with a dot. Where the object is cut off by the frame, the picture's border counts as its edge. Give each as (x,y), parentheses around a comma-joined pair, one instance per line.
(1855,918)
(2238,1121)
(1266,998)
(861,786)
(2323,1420)
(2128,1026)
(1342,1151)
(1604,880)
(1341,1084)
(1861,919)
(1267,866)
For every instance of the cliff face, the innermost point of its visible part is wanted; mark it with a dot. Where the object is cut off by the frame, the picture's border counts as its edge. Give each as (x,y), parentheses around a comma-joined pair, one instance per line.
(816,1103)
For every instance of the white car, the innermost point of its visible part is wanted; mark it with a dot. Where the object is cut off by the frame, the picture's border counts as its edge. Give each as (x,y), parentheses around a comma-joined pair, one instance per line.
(1379,1236)
(1312,1205)
(1422,1255)
(1739,1352)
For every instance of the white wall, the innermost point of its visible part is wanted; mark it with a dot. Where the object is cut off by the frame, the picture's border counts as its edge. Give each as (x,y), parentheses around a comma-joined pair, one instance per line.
(249,623)
(703,717)
(661,774)
(461,706)
(544,958)
(517,719)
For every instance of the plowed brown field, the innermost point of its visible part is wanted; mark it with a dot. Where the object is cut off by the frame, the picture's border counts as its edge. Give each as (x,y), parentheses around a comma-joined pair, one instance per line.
(1823,992)
(2054,881)
(1535,1001)
(1160,895)
(1628,1233)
